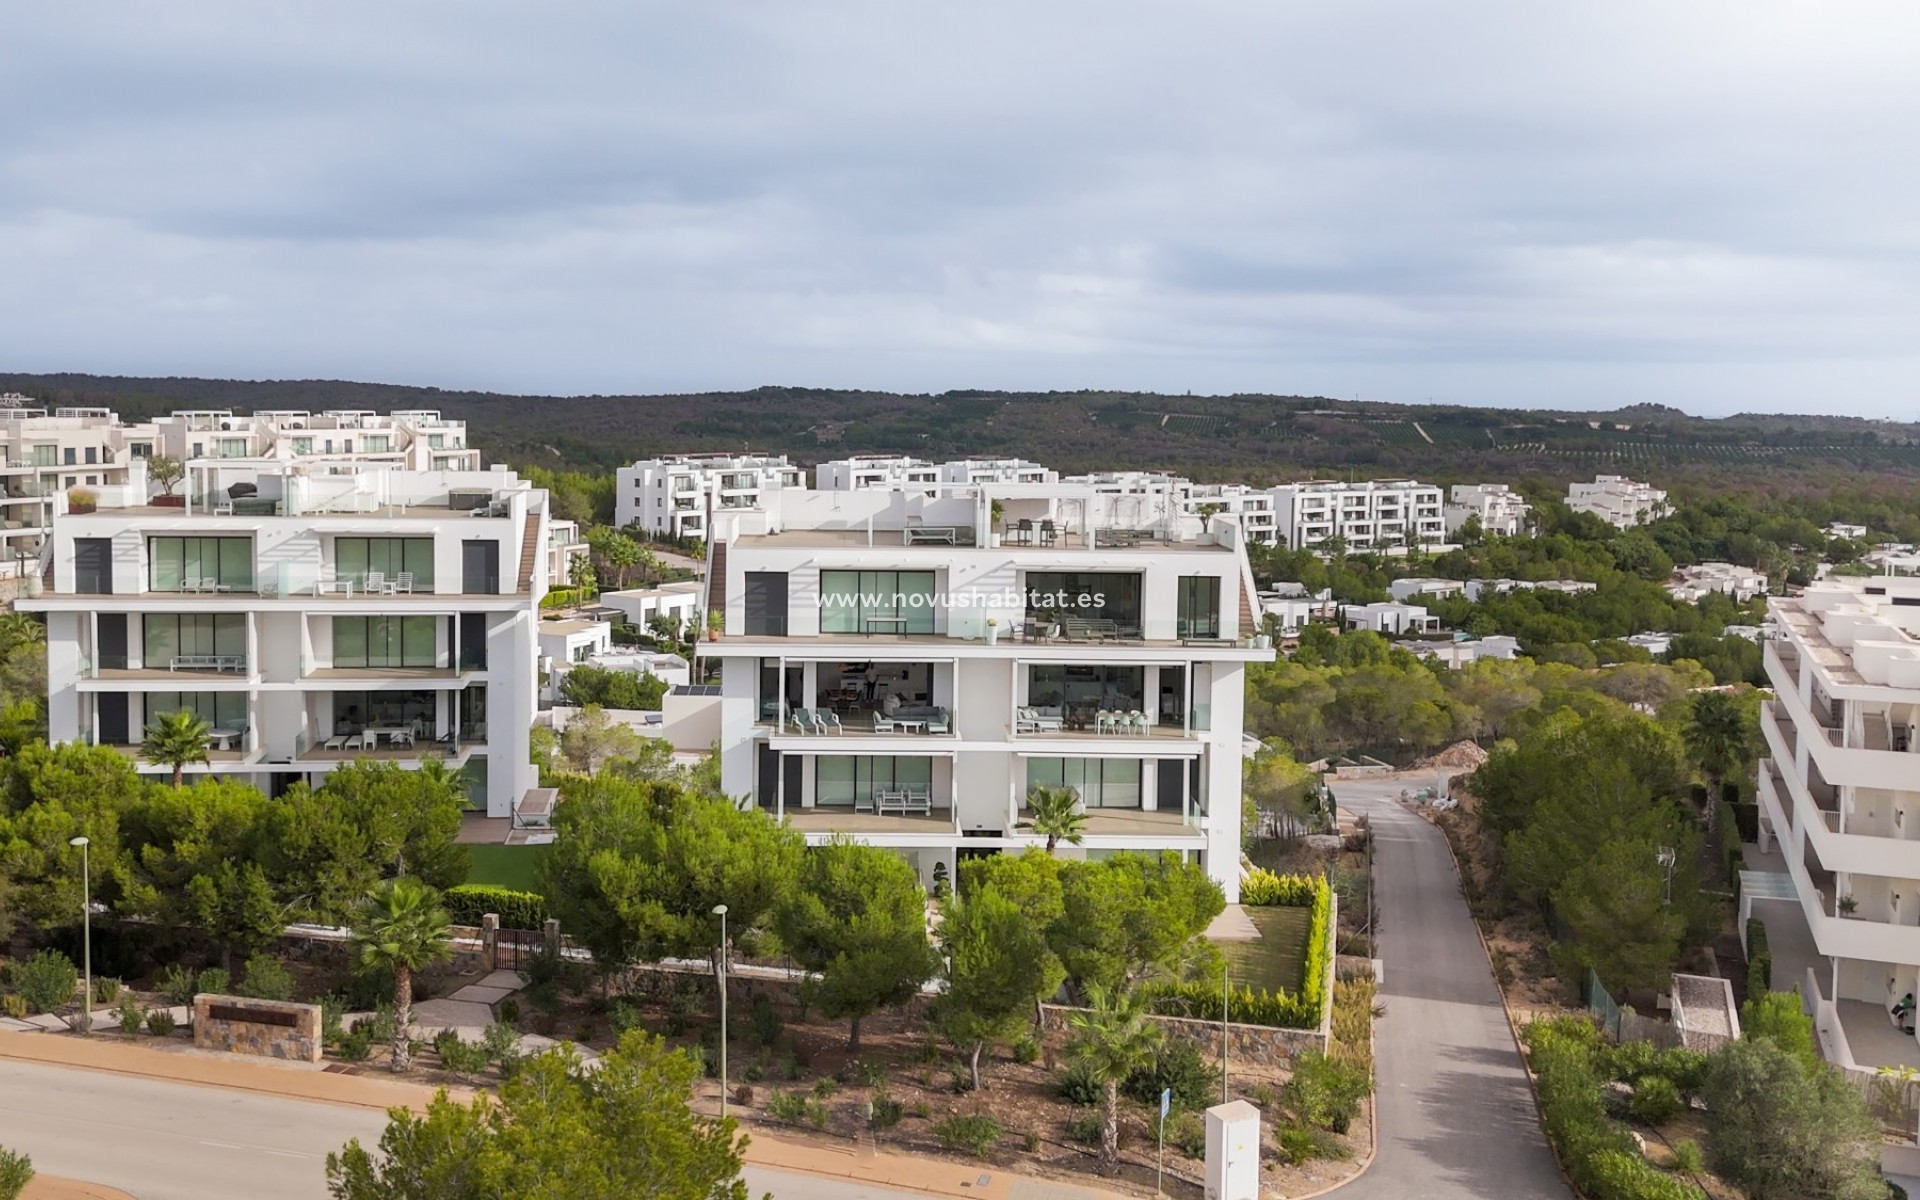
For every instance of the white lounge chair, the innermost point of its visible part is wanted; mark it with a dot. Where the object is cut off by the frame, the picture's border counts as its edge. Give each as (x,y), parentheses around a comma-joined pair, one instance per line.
(402,583)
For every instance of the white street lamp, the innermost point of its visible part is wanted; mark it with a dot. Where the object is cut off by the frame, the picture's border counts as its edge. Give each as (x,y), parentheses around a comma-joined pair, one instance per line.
(720,973)
(86,932)
(1665,856)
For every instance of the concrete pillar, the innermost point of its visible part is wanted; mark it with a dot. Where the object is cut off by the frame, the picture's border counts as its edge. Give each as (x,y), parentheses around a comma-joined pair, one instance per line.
(490,940)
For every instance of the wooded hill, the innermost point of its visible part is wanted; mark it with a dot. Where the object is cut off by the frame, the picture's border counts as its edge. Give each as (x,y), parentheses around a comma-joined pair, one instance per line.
(1257,439)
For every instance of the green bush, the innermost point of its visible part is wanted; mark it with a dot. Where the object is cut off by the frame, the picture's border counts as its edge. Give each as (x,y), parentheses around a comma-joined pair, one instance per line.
(886,1112)
(1284,1010)
(1026,1050)
(176,985)
(16,1172)
(1078,1084)
(1296,1144)
(357,1044)
(1179,1066)
(1688,1158)
(106,990)
(468,902)
(766,1023)
(974,1133)
(45,981)
(1325,1092)
(1623,1175)
(795,1107)
(1085,1128)
(1264,888)
(266,979)
(160,1022)
(213,980)
(1187,1133)
(1567,1057)
(13,1006)
(1759,958)
(1655,1100)
(465,1059)
(130,1015)
(502,1044)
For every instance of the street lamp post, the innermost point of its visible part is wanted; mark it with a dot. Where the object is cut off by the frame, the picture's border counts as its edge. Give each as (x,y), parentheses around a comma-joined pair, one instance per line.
(86,933)
(1666,856)
(720,972)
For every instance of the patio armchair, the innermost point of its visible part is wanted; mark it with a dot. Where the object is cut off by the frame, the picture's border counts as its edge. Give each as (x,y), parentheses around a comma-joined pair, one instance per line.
(402,583)
(882,723)
(825,719)
(940,722)
(802,720)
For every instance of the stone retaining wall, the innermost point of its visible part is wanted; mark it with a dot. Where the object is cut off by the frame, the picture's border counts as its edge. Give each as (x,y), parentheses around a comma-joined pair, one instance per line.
(267,1028)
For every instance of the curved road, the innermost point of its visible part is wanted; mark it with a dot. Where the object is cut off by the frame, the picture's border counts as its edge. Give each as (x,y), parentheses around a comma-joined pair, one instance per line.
(1455,1116)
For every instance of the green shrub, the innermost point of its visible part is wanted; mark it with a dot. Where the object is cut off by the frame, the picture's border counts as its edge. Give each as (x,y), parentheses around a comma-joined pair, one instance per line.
(886,1112)
(1688,1158)
(1655,1100)
(1759,959)
(16,1172)
(1078,1084)
(510,1010)
(46,980)
(1026,1049)
(974,1133)
(1284,1010)
(1085,1128)
(160,1022)
(130,1015)
(1325,1092)
(465,1059)
(266,979)
(1623,1175)
(743,1095)
(1187,1133)
(106,990)
(623,1018)
(213,980)
(468,902)
(1685,1069)
(1567,1057)
(1180,1067)
(766,1023)
(1296,1144)
(795,1107)
(176,985)
(502,1044)
(357,1044)
(15,1006)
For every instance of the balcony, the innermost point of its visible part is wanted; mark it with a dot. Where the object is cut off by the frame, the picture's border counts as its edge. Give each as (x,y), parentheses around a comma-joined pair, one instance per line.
(174,669)
(822,823)
(1132,822)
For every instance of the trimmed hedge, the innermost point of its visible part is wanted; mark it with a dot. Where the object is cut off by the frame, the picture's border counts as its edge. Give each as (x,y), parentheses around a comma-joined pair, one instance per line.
(1759,959)
(468,902)
(1265,889)
(1258,1006)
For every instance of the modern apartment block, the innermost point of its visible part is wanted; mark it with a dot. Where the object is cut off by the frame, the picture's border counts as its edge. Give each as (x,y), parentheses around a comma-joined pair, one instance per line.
(1375,513)
(406,440)
(1618,501)
(887,472)
(42,455)
(894,670)
(670,497)
(1499,507)
(1840,793)
(996,470)
(1254,507)
(313,613)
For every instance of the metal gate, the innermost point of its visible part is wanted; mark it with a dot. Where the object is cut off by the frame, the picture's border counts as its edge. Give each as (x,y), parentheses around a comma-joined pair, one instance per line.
(512,948)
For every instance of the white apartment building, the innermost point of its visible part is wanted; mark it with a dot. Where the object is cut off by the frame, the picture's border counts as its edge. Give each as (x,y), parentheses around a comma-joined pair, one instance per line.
(406,440)
(1376,513)
(1391,617)
(1407,588)
(996,470)
(670,497)
(42,455)
(1618,501)
(1254,507)
(891,673)
(1840,793)
(566,548)
(1697,581)
(1499,507)
(312,613)
(887,472)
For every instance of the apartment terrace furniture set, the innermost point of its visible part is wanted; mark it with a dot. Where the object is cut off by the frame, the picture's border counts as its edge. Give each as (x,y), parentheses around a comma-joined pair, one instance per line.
(368,737)
(913,799)
(1120,722)
(911,718)
(373,583)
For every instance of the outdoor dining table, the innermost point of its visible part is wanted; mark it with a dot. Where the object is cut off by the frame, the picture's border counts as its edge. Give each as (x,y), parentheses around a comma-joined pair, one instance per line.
(373,734)
(221,737)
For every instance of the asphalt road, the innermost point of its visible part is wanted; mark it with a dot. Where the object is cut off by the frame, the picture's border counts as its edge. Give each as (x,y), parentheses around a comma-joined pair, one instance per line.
(170,1141)
(1456,1118)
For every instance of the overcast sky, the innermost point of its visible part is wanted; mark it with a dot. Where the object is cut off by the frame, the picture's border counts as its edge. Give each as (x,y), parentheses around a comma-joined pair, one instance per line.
(1711,204)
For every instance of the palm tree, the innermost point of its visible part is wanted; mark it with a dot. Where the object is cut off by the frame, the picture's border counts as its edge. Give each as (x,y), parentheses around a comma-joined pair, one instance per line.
(1057,815)
(176,739)
(1716,735)
(1112,1038)
(402,928)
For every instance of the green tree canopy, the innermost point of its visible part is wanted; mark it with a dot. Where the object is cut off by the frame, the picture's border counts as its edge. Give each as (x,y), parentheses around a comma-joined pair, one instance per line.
(998,968)
(1781,1129)
(400,929)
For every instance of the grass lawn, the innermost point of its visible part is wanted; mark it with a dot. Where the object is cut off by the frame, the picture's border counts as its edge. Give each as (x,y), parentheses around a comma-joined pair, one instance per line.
(1277,959)
(513,867)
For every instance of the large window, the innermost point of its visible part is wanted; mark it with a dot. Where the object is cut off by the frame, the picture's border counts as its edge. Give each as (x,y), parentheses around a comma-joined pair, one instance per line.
(169,635)
(353,557)
(354,711)
(890,601)
(1100,782)
(1200,606)
(384,642)
(1112,595)
(845,779)
(178,564)
(222,710)
(1083,689)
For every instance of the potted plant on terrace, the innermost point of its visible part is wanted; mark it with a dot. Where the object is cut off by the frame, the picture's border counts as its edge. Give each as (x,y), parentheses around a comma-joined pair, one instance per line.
(716,625)
(81,500)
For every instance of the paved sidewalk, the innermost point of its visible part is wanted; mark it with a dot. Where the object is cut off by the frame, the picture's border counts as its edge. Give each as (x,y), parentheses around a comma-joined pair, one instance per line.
(49,1187)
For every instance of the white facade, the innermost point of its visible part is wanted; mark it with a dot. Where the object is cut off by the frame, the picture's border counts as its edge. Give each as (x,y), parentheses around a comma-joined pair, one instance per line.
(996,470)
(325,617)
(886,472)
(565,550)
(1499,507)
(1391,617)
(670,497)
(406,440)
(42,455)
(1408,588)
(679,602)
(1698,581)
(1254,507)
(1618,501)
(1840,786)
(865,691)
(1384,513)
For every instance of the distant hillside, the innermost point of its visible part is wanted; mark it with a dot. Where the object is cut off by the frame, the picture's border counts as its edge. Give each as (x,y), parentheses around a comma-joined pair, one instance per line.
(1259,439)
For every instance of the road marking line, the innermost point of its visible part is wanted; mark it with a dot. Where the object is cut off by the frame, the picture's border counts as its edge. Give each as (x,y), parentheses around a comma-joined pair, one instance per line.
(292,1154)
(222,1145)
